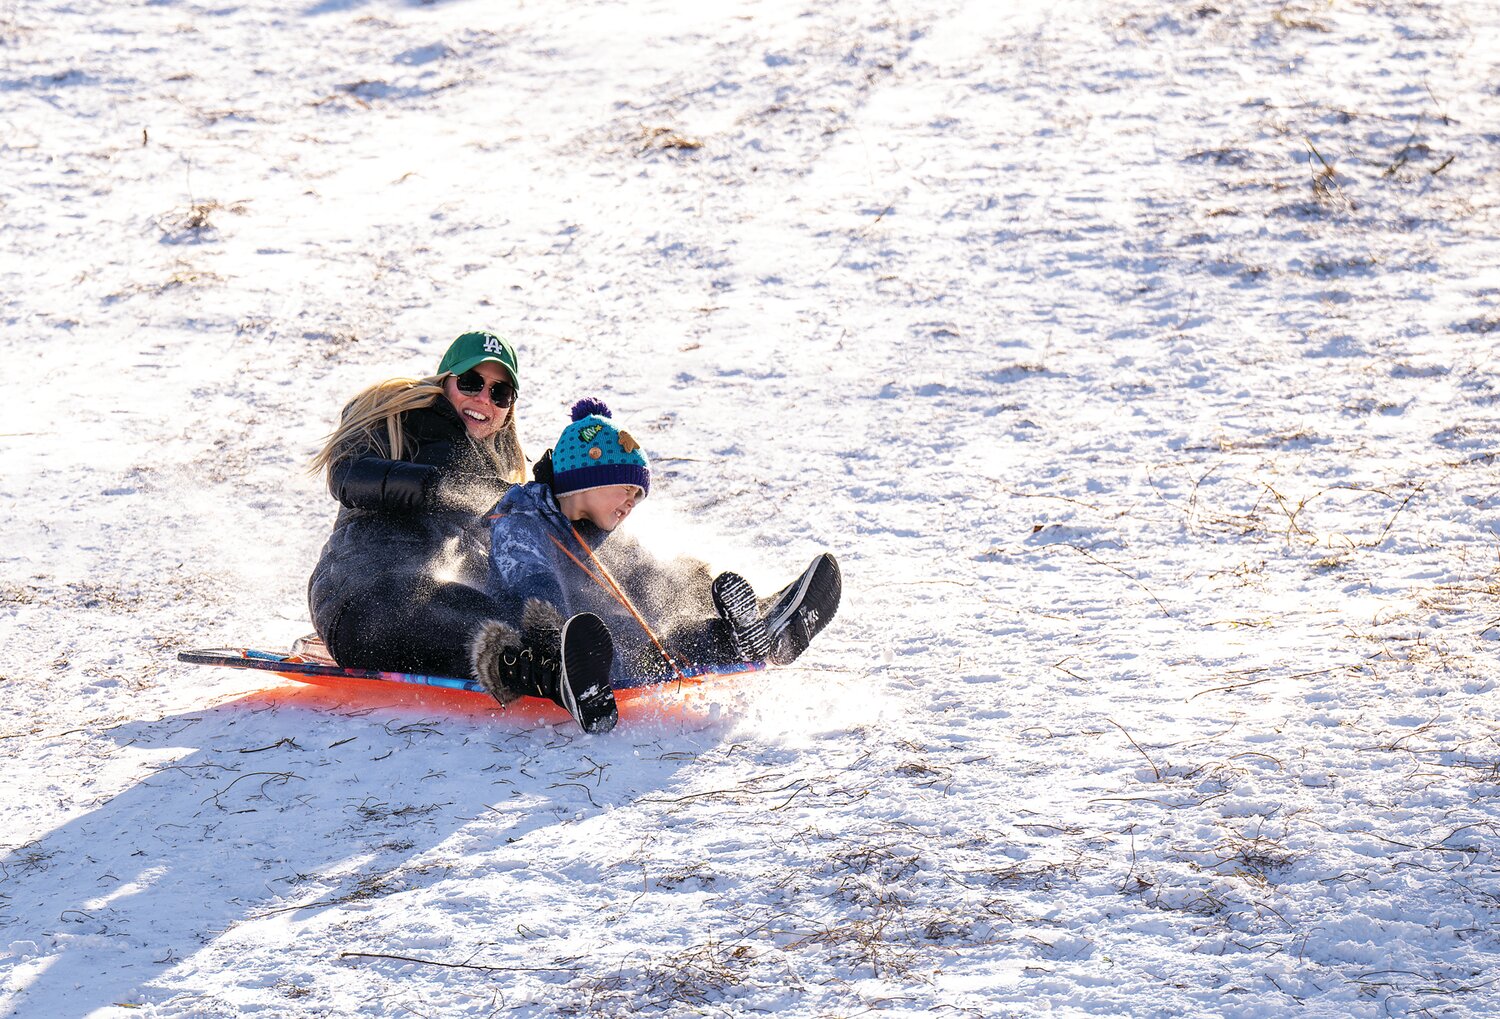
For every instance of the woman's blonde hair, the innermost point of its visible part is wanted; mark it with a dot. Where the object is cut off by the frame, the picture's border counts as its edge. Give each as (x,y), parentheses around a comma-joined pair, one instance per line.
(373,419)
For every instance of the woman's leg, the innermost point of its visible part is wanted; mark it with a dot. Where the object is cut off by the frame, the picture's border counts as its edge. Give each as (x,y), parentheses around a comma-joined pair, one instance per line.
(407,625)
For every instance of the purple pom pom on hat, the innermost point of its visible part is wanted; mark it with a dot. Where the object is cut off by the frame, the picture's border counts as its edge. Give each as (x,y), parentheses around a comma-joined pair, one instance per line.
(589,405)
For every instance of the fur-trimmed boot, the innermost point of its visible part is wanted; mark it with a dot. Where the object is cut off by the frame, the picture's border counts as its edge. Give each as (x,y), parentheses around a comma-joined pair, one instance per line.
(568,664)
(541,627)
(507,668)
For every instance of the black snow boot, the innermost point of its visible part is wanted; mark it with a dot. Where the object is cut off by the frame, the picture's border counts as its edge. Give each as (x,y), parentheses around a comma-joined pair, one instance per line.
(583,685)
(572,672)
(799,612)
(507,668)
(541,627)
(734,601)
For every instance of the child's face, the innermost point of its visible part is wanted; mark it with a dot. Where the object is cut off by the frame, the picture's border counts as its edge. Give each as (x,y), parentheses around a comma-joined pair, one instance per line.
(604,507)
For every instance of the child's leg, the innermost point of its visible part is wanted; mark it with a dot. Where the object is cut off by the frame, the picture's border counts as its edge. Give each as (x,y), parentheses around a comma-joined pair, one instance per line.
(697,647)
(704,646)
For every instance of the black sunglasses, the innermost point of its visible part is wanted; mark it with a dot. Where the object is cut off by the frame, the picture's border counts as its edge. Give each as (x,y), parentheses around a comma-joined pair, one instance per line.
(502,394)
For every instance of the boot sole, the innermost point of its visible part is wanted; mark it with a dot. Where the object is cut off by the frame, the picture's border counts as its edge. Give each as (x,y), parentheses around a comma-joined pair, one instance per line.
(734,600)
(811,607)
(587,652)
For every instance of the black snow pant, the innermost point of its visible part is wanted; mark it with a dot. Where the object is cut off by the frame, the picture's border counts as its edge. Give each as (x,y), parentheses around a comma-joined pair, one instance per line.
(698,647)
(406,622)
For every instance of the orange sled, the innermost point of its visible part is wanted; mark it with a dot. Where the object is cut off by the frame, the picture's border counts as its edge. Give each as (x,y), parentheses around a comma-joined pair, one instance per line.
(309,662)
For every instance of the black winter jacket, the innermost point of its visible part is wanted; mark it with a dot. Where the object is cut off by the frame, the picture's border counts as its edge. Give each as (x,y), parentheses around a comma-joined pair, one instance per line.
(405,527)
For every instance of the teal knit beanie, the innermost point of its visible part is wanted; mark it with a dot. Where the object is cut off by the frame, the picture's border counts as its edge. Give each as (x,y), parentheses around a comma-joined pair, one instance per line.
(594,452)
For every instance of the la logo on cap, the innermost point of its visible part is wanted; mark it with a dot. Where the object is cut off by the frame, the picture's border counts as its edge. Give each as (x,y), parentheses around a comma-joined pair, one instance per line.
(493,345)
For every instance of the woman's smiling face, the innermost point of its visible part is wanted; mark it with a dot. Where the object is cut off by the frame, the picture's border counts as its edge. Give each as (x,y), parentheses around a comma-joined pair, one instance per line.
(480,416)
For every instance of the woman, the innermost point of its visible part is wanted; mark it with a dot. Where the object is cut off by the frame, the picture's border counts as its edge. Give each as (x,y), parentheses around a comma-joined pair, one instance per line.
(415,465)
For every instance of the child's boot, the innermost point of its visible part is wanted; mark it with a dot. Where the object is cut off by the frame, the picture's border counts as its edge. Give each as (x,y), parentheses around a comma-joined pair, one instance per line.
(569,667)
(507,668)
(583,683)
(541,627)
(734,600)
(801,610)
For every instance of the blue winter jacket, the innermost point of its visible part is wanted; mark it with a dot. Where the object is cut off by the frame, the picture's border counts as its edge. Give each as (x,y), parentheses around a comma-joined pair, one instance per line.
(528,536)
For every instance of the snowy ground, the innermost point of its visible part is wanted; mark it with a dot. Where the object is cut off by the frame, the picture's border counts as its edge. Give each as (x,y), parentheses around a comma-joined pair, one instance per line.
(1136,358)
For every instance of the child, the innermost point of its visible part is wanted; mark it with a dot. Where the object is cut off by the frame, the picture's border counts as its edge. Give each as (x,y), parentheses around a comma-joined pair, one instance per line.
(603,607)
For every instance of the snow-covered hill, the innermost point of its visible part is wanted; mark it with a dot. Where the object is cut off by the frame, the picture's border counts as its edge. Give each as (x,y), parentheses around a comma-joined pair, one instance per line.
(1136,358)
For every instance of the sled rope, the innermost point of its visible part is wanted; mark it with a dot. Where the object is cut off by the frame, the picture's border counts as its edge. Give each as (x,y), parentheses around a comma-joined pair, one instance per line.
(607,581)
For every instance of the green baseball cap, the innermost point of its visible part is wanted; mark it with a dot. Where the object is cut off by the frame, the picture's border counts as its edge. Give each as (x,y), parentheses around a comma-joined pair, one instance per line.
(476,348)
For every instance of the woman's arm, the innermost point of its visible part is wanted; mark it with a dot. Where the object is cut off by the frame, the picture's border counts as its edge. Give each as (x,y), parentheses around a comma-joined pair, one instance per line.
(365,477)
(376,483)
